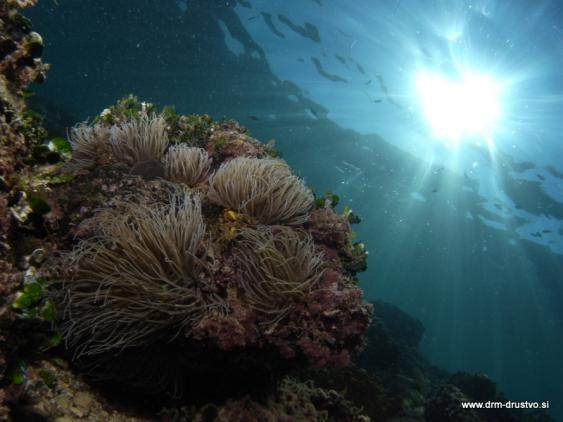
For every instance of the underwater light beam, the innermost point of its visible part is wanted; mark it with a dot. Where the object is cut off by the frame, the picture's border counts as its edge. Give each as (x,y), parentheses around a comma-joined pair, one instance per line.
(458,109)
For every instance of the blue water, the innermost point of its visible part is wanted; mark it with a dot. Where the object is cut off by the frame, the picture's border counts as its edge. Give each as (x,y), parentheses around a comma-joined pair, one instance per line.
(465,234)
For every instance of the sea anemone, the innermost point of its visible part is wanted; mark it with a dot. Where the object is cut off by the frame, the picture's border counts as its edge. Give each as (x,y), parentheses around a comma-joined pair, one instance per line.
(89,145)
(281,267)
(139,140)
(184,164)
(264,189)
(138,279)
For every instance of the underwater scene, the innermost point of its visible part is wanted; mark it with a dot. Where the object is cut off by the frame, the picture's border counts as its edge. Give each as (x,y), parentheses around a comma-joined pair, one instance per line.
(299,210)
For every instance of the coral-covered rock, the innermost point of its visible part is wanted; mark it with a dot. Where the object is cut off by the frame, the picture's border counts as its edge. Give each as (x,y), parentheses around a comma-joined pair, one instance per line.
(20,64)
(329,228)
(329,326)
(334,234)
(236,281)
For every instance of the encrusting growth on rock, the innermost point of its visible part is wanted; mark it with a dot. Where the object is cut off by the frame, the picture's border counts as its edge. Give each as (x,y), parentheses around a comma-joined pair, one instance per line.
(20,131)
(212,257)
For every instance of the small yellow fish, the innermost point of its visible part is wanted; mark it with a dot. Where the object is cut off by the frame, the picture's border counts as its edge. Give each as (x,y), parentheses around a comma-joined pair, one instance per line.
(231,215)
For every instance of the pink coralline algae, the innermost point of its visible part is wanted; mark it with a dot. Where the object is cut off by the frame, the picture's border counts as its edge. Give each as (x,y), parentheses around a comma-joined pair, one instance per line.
(330,228)
(329,326)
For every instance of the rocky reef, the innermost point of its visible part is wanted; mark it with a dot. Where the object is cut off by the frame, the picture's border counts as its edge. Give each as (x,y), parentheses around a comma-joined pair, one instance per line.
(20,64)
(173,257)
(195,257)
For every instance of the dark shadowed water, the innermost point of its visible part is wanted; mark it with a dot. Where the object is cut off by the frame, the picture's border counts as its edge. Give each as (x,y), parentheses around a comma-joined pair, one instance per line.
(461,202)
